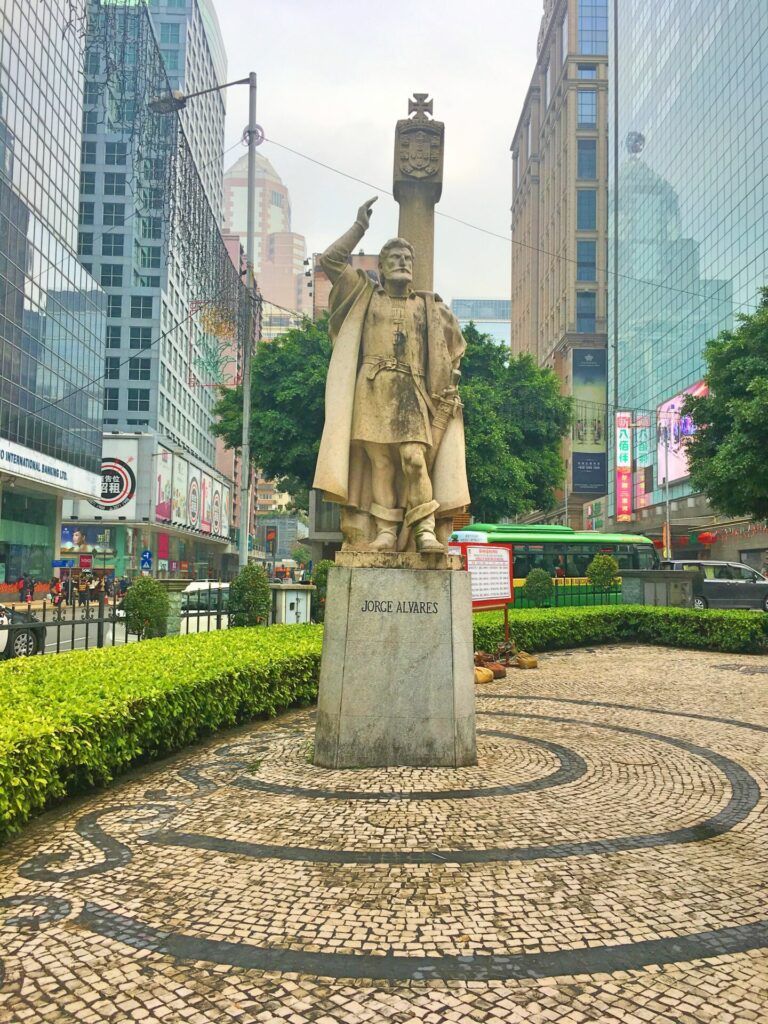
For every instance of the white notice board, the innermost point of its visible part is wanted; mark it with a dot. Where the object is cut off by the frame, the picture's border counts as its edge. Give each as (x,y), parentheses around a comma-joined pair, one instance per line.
(490,570)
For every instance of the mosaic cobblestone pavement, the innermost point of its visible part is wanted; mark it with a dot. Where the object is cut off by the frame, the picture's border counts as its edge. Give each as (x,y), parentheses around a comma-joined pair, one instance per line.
(605,861)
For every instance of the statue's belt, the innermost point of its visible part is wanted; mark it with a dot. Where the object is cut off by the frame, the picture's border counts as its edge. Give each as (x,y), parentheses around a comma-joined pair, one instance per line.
(375,366)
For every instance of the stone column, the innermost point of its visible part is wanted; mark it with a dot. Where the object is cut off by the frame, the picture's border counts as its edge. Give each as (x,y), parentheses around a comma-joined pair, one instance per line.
(418,182)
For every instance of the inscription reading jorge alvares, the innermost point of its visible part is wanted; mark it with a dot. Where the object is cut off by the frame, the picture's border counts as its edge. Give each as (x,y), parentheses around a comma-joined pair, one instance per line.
(400,607)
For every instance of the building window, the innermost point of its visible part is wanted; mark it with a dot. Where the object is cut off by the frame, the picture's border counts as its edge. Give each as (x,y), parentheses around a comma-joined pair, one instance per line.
(90,122)
(114,183)
(112,245)
(84,243)
(111,398)
(178,5)
(147,256)
(564,35)
(277,199)
(114,305)
(116,153)
(586,260)
(88,153)
(138,369)
(169,33)
(138,400)
(141,307)
(111,275)
(587,70)
(92,63)
(587,158)
(86,213)
(141,337)
(587,109)
(87,183)
(112,367)
(586,304)
(171,60)
(151,227)
(528,134)
(547,76)
(114,332)
(586,209)
(593,26)
(91,93)
(114,215)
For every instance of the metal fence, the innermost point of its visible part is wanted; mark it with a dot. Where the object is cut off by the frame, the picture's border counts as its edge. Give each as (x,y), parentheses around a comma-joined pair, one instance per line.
(575,593)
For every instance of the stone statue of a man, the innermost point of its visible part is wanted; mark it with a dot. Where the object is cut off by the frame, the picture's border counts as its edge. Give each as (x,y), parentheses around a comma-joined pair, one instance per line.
(392,451)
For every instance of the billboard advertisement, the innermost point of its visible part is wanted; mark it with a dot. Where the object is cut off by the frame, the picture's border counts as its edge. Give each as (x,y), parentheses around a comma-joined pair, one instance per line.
(589,474)
(674,429)
(193,496)
(623,467)
(163,481)
(179,496)
(225,507)
(216,509)
(87,539)
(118,479)
(206,503)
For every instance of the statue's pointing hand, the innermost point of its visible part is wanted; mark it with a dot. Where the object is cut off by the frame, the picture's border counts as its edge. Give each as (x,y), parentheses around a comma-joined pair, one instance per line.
(364,213)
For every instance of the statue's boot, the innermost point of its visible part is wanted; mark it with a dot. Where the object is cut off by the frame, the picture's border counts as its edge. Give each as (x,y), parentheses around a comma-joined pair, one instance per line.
(387,521)
(422,521)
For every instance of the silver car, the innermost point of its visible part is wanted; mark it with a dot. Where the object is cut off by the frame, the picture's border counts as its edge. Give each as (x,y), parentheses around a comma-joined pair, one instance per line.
(724,584)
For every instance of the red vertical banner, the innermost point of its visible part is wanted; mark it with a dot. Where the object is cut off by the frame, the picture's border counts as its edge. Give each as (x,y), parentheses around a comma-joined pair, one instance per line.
(623,467)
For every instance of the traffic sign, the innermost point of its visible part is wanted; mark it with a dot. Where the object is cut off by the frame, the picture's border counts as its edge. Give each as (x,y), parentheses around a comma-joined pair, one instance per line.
(146,559)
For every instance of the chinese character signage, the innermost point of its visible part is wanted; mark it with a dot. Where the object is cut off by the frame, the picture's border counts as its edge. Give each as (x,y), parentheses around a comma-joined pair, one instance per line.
(623,467)
(118,480)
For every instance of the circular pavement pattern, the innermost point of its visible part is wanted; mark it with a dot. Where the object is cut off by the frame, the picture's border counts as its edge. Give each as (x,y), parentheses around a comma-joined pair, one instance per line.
(606,859)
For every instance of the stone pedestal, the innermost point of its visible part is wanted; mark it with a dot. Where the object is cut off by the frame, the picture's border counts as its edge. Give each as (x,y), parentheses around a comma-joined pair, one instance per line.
(397,675)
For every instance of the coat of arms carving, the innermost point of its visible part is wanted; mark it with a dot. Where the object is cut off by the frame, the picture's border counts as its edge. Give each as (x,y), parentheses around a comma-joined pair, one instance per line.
(419,151)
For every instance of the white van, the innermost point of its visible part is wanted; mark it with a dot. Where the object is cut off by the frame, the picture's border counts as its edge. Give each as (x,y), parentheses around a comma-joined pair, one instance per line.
(204,605)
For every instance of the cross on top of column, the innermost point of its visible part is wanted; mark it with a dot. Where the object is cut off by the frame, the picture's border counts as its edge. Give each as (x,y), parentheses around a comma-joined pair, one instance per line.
(420,106)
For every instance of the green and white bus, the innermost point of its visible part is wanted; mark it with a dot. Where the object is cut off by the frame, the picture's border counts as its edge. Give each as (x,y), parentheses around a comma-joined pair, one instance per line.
(563,552)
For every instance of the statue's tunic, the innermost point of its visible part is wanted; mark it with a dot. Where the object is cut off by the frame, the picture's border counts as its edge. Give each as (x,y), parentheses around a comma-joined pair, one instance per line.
(380,387)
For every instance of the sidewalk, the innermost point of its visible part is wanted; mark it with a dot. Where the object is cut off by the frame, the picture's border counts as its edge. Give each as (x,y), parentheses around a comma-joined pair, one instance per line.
(606,861)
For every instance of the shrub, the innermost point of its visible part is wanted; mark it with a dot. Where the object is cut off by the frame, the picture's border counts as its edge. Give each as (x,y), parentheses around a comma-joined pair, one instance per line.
(536,630)
(250,598)
(62,730)
(301,554)
(320,580)
(538,588)
(603,571)
(146,608)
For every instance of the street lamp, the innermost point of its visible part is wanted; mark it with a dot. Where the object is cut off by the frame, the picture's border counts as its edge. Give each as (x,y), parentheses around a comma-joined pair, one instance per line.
(253,136)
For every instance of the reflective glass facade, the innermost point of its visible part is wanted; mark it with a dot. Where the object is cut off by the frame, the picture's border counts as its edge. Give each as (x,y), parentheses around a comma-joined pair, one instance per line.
(51,310)
(691,228)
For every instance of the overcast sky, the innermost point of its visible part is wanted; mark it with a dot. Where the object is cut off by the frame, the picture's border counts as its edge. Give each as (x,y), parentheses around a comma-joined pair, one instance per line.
(335,76)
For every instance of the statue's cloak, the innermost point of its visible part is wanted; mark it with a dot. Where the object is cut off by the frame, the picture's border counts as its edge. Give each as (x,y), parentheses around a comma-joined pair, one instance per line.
(343,470)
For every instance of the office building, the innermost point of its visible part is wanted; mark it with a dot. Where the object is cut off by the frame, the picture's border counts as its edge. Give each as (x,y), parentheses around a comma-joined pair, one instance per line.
(559,226)
(490,316)
(279,251)
(51,309)
(687,247)
(150,202)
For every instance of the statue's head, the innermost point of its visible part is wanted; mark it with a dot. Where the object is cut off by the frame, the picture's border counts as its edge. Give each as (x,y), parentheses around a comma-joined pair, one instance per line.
(396,261)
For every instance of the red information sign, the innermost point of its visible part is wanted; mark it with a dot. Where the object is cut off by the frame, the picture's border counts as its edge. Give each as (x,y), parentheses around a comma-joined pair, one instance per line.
(86,561)
(490,570)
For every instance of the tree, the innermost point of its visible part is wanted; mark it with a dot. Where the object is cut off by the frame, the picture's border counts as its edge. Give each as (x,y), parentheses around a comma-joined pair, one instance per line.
(538,588)
(146,608)
(250,597)
(728,454)
(287,402)
(301,554)
(603,571)
(515,419)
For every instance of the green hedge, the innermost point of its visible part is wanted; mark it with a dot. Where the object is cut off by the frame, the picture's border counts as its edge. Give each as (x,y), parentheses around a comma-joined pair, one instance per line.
(72,721)
(554,628)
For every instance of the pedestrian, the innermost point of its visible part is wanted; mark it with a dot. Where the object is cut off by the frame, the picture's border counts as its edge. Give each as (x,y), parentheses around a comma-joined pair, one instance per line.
(82,590)
(69,586)
(20,586)
(57,594)
(124,584)
(29,587)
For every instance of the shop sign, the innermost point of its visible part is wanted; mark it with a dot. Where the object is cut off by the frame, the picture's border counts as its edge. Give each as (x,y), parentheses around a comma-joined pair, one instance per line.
(18,460)
(86,561)
(623,467)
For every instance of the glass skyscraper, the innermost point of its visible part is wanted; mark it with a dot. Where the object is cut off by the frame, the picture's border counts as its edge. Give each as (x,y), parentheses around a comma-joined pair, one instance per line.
(51,310)
(687,244)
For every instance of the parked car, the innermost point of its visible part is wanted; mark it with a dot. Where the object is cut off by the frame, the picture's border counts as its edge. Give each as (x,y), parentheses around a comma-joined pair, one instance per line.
(24,635)
(724,584)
